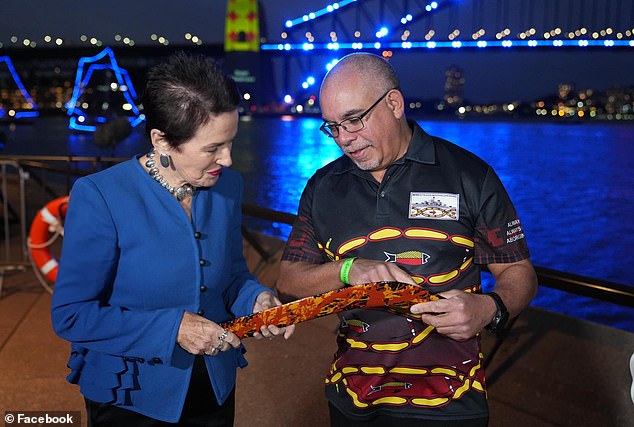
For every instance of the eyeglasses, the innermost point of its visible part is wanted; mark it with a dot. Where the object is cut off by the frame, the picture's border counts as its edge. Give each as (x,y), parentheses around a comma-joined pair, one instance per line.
(351,124)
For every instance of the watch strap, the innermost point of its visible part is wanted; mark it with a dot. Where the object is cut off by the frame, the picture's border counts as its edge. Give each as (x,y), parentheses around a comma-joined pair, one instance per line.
(501,315)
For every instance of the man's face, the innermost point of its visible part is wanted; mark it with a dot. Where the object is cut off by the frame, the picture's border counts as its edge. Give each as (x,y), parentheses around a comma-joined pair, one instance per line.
(375,146)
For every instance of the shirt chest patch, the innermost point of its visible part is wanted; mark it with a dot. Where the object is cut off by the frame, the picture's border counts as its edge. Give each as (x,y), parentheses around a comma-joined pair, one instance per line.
(442,206)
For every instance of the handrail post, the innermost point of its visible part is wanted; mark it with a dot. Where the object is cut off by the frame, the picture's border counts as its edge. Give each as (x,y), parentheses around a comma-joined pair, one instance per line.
(23,176)
(5,212)
(68,179)
(9,264)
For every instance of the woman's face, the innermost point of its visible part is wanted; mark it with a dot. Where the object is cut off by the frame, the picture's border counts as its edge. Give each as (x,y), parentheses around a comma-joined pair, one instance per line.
(199,161)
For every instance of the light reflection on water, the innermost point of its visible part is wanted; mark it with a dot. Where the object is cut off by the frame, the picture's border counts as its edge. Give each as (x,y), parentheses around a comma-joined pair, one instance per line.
(276,158)
(572,184)
(282,155)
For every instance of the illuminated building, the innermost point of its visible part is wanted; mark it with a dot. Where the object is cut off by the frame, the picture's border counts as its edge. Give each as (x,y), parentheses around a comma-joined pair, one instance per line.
(454,87)
(250,70)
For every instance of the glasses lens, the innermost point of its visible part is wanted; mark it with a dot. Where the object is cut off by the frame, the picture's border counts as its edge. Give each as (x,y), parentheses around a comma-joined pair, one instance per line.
(353,124)
(330,130)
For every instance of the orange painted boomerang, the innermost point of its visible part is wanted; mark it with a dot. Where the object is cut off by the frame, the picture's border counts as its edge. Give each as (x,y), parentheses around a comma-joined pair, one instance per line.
(375,294)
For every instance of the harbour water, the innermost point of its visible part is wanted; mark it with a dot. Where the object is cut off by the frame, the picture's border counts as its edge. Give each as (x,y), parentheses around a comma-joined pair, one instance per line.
(572,184)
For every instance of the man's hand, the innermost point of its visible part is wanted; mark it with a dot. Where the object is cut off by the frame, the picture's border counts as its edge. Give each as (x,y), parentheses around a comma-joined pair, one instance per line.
(457,314)
(366,271)
(460,315)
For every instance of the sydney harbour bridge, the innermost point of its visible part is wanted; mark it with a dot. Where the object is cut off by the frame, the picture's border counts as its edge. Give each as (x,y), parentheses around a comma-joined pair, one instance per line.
(281,63)
(305,46)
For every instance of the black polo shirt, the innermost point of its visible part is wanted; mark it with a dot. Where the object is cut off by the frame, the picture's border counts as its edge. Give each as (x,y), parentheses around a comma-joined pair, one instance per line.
(439,213)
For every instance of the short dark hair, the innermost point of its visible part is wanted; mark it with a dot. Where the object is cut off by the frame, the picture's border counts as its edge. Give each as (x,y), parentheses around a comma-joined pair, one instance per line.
(181,93)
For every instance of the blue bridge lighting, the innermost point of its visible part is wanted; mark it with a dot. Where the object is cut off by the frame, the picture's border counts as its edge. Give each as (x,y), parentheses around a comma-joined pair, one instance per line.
(452,44)
(318,13)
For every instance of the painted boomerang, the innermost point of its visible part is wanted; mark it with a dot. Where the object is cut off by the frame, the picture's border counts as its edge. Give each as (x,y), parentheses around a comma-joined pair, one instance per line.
(374,294)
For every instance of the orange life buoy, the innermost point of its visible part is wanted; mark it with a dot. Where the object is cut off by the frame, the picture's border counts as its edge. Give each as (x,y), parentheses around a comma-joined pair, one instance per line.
(46,227)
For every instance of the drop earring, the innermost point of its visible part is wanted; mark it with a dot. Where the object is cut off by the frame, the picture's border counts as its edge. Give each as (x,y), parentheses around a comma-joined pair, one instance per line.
(164,160)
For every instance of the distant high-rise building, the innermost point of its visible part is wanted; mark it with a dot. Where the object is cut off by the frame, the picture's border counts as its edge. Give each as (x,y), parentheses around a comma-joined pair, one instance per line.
(564,90)
(454,86)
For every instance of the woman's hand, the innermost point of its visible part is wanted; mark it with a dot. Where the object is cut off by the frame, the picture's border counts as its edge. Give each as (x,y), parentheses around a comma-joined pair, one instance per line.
(263,302)
(198,335)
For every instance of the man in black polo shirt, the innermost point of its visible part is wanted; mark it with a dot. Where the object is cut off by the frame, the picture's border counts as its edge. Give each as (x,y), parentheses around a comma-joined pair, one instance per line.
(401,205)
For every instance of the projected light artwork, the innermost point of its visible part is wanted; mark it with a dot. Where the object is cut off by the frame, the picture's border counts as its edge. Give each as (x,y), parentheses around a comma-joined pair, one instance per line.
(94,104)
(27,108)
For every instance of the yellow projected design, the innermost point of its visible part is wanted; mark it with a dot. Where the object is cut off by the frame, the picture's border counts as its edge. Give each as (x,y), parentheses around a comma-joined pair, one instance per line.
(242,28)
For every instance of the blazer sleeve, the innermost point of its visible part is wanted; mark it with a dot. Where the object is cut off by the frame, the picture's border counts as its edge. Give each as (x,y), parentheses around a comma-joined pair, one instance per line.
(80,309)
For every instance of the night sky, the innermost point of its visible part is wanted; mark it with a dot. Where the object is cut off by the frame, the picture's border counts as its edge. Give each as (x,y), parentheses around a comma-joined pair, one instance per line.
(494,75)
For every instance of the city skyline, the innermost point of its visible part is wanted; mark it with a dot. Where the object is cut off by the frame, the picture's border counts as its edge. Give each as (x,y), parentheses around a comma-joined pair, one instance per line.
(491,75)
(138,19)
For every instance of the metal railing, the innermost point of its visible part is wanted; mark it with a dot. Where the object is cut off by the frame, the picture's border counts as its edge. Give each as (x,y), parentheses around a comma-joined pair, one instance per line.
(70,166)
(10,261)
(15,172)
(7,208)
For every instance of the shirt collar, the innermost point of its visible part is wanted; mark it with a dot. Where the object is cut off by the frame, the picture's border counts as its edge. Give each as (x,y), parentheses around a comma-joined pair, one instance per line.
(421,149)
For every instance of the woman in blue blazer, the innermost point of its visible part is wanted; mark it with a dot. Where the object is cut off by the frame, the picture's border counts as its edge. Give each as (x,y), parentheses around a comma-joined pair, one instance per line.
(152,262)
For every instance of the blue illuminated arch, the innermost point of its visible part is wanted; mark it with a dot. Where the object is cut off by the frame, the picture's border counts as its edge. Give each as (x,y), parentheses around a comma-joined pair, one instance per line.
(79,120)
(14,113)
(428,7)
(382,34)
(316,14)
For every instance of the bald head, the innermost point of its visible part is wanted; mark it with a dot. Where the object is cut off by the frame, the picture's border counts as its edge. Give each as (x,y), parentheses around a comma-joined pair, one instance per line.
(371,69)
(364,113)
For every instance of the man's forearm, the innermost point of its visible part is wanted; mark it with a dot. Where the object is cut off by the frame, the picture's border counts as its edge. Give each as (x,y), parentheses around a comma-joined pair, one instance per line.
(516,284)
(301,279)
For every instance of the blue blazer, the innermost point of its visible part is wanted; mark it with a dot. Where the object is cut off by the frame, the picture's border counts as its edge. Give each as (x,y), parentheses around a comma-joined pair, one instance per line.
(132,263)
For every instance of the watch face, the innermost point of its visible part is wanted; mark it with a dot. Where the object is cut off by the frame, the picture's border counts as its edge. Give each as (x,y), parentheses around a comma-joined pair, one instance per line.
(496,318)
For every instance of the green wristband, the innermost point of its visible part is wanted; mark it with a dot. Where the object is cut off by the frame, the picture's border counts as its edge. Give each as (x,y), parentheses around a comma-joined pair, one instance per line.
(345,270)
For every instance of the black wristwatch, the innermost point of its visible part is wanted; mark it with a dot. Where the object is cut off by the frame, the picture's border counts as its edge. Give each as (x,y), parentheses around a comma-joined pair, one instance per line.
(501,315)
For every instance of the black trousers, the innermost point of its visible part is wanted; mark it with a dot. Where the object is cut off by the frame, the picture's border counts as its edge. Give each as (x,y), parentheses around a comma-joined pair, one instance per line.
(338,419)
(201,408)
